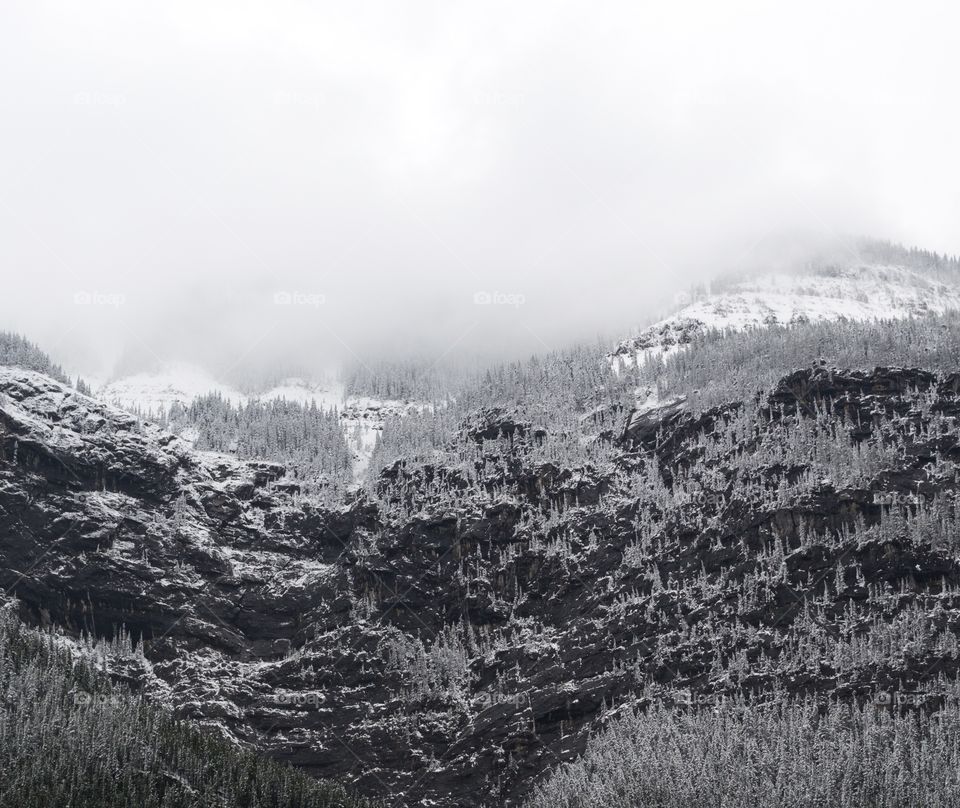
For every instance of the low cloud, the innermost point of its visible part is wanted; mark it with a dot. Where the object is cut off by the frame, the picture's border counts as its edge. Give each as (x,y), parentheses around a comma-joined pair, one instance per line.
(170,176)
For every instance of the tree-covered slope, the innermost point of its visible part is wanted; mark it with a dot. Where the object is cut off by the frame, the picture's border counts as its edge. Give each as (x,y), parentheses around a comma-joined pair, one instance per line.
(780,753)
(774,519)
(17,350)
(70,736)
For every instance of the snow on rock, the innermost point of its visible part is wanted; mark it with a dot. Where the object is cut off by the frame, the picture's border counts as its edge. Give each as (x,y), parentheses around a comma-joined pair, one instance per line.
(861,292)
(363,419)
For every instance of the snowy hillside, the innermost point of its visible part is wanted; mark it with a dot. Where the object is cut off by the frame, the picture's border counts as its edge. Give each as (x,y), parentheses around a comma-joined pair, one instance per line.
(860,292)
(155,393)
(152,394)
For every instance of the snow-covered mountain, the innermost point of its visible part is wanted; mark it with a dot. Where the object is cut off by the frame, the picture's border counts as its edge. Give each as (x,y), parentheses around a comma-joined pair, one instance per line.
(854,292)
(154,393)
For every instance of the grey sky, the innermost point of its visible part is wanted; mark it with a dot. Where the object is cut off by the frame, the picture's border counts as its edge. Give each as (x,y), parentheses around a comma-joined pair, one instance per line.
(385,162)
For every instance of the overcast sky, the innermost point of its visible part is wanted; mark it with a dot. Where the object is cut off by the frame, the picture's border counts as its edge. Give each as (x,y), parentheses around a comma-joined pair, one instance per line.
(230,180)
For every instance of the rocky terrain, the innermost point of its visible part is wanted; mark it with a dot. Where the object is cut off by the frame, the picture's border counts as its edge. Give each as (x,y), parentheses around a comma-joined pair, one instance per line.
(450,650)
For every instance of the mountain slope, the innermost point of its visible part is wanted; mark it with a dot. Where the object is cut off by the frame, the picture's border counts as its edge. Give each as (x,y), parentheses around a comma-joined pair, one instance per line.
(70,736)
(859,292)
(168,394)
(451,638)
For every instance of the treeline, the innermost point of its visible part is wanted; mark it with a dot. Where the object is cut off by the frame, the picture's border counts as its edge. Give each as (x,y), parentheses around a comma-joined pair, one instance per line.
(307,439)
(69,737)
(421,380)
(551,392)
(942,267)
(16,350)
(832,260)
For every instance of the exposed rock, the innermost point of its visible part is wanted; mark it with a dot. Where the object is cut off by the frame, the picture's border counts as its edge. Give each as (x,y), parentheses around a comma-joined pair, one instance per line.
(651,418)
(299,630)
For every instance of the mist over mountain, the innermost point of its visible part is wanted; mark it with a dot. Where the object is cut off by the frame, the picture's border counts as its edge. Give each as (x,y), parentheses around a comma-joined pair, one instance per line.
(397,163)
(479,405)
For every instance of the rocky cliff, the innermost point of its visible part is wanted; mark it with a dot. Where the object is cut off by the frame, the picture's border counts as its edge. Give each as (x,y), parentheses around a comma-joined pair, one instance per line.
(449,637)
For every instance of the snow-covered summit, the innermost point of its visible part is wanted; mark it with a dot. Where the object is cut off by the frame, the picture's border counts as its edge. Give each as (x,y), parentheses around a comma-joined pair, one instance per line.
(857,292)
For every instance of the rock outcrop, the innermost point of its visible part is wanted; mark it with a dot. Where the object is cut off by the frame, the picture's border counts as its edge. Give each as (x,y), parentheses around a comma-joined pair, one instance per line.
(454,638)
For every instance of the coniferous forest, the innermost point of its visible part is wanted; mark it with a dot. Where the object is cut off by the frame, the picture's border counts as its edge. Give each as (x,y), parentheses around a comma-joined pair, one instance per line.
(72,735)
(479,405)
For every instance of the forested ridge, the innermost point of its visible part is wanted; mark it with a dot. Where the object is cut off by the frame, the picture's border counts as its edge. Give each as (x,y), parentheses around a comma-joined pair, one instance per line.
(307,439)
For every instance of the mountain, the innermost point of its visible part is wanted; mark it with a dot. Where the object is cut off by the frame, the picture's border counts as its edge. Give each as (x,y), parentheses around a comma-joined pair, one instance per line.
(154,392)
(151,393)
(747,546)
(494,597)
(852,290)
(176,386)
(71,735)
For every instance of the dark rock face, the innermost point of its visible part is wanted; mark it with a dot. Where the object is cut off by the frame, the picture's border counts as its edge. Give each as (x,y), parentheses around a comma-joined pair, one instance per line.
(459,637)
(497,422)
(648,425)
